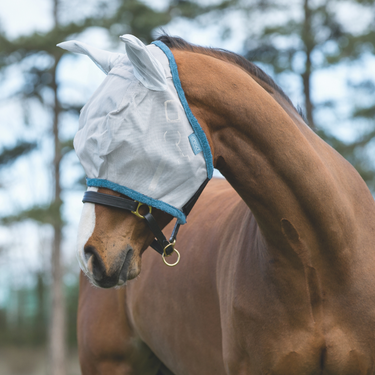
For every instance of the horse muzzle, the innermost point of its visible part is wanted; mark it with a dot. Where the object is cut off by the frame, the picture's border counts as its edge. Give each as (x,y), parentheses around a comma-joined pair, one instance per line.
(106,275)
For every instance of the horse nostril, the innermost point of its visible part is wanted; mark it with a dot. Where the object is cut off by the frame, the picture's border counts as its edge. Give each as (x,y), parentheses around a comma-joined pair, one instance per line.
(89,251)
(95,265)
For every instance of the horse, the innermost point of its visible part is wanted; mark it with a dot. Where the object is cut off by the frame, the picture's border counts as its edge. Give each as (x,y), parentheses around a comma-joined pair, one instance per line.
(277,261)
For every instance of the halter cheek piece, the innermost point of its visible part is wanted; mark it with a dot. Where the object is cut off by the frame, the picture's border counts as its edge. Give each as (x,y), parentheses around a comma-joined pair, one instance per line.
(164,247)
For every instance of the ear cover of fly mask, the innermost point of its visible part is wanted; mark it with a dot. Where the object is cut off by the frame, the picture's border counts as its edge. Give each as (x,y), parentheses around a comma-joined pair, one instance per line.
(103,59)
(147,69)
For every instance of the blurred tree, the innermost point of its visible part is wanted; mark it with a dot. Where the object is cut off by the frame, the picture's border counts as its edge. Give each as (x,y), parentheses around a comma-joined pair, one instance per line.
(312,36)
(39,58)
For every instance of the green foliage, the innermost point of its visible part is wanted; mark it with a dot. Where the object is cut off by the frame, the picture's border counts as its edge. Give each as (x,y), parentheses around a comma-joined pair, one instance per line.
(10,154)
(71,294)
(135,17)
(49,214)
(67,146)
(319,31)
(24,318)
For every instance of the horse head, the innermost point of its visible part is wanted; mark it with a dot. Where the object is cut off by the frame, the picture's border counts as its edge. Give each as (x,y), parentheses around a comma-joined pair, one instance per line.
(111,241)
(145,156)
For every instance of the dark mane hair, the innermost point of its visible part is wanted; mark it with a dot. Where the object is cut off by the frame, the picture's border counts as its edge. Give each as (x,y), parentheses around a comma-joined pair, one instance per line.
(222,54)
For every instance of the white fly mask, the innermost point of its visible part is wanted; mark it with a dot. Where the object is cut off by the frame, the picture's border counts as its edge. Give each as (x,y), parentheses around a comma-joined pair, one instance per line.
(137,134)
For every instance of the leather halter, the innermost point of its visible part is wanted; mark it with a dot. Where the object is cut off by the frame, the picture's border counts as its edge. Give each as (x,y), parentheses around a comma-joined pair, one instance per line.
(160,243)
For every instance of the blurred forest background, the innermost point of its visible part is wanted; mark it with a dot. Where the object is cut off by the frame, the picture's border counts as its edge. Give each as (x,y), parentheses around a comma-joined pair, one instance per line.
(320,52)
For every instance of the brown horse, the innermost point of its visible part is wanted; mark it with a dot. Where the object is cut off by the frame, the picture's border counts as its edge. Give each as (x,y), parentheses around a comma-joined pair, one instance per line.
(286,288)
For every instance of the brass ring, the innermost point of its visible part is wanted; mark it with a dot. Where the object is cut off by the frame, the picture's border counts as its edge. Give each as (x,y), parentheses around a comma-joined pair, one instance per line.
(172,264)
(136,213)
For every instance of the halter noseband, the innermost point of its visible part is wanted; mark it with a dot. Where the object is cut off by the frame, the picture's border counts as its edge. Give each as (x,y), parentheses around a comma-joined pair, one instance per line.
(164,247)
(160,244)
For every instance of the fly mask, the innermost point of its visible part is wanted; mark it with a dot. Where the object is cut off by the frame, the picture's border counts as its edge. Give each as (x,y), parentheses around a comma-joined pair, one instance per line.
(138,136)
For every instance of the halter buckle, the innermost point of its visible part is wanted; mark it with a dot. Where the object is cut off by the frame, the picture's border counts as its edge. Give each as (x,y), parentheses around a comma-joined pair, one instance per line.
(136,212)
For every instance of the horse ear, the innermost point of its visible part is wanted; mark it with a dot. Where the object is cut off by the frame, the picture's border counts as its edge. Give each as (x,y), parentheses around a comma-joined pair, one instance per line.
(147,69)
(103,59)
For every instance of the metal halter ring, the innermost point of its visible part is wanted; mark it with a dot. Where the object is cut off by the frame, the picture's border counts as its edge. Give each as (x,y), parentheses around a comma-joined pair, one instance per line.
(136,213)
(164,255)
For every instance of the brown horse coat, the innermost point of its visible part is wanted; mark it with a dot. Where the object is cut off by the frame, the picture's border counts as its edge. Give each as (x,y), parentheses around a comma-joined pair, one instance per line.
(287,288)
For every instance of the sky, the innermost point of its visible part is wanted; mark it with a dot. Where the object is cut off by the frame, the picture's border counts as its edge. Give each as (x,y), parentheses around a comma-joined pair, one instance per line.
(27,181)
(19,17)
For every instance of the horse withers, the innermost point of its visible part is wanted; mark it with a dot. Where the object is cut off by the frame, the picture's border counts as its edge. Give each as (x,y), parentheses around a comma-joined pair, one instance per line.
(275,277)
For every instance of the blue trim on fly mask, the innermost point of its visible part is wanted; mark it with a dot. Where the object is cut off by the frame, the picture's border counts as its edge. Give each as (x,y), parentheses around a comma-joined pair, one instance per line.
(99,182)
(189,114)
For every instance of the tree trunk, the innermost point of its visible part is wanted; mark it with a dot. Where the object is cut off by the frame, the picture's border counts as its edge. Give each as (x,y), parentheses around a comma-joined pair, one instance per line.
(308,40)
(57,329)
(57,347)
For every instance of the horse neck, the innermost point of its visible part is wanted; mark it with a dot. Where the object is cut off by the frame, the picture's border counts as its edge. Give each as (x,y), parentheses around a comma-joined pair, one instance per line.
(294,183)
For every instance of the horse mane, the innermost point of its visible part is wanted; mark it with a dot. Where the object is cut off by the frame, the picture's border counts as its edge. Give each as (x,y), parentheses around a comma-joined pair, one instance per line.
(225,55)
